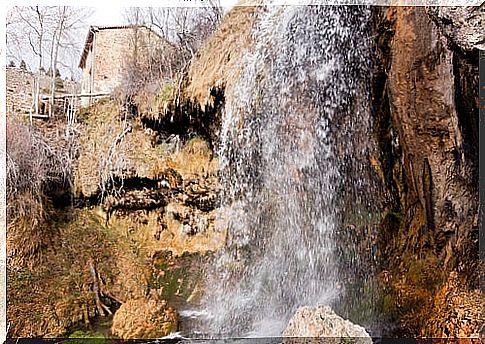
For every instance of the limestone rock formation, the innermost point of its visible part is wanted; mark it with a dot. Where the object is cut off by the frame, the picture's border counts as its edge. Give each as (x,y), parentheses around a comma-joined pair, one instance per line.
(463,25)
(457,312)
(428,111)
(433,128)
(425,109)
(144,319)
(322,321)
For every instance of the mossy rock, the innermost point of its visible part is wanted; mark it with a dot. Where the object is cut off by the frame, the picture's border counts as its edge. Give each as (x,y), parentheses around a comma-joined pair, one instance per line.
(143,318)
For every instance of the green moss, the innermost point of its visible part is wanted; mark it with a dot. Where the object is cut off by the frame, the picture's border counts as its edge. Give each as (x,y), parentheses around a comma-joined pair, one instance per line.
(346,341)
(86,334)
(86,337)
(389,307)
(364,306)
(166,92)
(175,276)
(424,273)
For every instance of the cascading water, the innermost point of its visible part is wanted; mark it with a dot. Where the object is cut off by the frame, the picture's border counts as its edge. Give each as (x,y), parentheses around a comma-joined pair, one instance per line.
(294,125)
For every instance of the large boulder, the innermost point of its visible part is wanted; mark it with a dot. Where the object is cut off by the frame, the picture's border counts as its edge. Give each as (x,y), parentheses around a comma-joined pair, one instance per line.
(322,321)
(144,319)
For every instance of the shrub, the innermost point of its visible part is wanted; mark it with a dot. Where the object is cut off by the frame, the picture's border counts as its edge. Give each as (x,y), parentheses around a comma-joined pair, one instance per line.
(34,171)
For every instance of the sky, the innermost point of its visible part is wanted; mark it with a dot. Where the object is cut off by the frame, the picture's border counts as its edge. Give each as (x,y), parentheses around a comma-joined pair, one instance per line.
(107,15)
(111,13)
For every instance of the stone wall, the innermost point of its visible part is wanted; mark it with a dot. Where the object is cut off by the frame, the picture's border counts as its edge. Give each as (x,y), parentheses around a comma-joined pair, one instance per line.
(111,49)
(20,88)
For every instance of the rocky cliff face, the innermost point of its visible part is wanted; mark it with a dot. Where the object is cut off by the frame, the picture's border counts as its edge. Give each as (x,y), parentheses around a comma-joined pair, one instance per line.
(427,118)
(131,245)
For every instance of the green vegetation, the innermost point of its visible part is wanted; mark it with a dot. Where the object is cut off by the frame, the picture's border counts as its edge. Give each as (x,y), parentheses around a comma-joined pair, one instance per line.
(86,337)
(86,334)
(165,93)
(176,278)
(346,341)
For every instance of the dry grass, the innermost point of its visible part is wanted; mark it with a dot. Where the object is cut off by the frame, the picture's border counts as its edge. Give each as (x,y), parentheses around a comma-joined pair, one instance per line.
(34,169)
(28,232)
(45,300)
(194,159)
(217,63)
(134,155)
(111,146)
(155,99)
(215,66)
(32,163)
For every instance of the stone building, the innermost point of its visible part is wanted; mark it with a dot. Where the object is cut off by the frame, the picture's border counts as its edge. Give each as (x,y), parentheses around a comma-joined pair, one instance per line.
(109,50)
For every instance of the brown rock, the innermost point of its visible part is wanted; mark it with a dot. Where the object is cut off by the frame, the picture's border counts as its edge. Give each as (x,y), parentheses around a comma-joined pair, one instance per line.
(143,318)
(457,311)
(430,64)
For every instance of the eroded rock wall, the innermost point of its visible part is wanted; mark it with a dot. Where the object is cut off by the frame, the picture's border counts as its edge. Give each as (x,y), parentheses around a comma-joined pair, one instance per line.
(427,117)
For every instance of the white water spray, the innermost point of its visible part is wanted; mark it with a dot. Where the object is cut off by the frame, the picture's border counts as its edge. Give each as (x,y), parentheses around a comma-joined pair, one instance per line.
(284,141)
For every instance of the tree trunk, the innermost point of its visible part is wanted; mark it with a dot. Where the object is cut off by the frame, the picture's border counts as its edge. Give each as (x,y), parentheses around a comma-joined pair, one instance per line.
(56,40)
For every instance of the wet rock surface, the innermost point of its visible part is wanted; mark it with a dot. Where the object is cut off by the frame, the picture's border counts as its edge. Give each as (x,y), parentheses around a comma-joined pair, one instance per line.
(322,321)
(457,311)
(427,113)
(462,25)
(149,207)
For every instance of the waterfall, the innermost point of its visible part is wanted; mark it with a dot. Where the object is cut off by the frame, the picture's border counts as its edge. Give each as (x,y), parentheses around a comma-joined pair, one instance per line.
(294,127)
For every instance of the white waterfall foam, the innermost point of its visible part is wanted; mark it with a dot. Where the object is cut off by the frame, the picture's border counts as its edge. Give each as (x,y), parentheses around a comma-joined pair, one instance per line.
(281,160)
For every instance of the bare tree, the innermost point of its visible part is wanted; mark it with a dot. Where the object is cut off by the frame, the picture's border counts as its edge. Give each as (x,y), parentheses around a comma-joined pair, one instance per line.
(13,50)
(193,26)
(186,27)
(54,51)
(66,20)
(32,24)
(49,33)
(155,66)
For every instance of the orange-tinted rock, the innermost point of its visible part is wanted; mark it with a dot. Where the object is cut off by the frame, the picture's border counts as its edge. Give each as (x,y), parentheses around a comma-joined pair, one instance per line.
(430,102)
(145,319)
